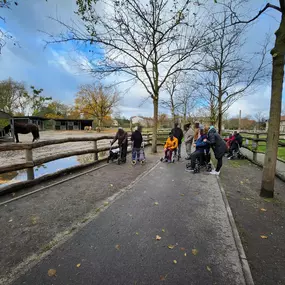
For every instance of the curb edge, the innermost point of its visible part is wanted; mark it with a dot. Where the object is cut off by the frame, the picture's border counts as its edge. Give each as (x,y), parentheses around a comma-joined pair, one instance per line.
(243,260)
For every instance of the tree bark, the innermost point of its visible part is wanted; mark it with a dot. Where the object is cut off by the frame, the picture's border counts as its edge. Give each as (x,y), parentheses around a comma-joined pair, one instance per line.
(155,120)
(269,169)
(220,116)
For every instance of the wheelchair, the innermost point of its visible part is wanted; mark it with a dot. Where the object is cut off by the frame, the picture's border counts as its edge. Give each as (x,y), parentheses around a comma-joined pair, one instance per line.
(206,163)
(167,158)
(237,154)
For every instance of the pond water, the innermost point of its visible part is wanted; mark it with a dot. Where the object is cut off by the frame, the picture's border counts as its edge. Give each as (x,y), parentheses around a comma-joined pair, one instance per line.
(47,168)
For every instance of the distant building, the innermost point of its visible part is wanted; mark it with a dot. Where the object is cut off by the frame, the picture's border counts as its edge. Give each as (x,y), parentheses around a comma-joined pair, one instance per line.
(143,121)
(71,124)
(282,124)
(39,121)
(115,123)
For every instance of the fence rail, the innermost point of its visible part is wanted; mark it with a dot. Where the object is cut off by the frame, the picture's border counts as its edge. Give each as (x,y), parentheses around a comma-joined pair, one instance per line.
(31,162)
(257,138)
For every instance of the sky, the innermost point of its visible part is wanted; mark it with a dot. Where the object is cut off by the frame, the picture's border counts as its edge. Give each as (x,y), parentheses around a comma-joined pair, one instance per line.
(55,67)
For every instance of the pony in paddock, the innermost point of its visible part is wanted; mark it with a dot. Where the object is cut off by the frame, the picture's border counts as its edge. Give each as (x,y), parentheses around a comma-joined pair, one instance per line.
(20,128)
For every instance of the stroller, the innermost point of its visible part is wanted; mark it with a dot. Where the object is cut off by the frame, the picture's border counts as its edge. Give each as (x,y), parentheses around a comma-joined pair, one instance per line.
(115,154)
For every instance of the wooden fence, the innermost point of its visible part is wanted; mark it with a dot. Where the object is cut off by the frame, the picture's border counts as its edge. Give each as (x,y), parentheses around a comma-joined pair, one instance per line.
(252,140)
(31,162)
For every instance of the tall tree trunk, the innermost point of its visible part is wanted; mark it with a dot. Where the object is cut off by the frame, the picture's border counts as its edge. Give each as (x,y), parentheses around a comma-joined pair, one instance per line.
(155,120)
(269,169)
(220,116)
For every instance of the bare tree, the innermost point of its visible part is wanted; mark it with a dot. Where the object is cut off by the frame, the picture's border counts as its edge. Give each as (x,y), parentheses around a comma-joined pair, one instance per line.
(230,72)
(172,89)
(149,41)
(278,53)
(260,119)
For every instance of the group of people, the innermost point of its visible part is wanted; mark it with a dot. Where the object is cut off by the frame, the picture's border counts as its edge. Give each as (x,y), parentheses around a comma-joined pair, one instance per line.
(234,142)
(198,142)
(202,139)
(122,138)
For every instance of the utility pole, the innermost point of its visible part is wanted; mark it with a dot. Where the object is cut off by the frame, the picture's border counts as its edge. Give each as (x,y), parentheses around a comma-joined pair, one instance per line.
(239,121)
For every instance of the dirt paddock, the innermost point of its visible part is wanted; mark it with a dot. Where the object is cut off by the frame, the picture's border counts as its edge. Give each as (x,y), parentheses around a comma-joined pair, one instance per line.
(12,157)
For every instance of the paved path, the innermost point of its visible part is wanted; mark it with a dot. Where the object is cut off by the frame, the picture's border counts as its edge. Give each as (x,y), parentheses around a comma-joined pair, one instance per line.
(120,246)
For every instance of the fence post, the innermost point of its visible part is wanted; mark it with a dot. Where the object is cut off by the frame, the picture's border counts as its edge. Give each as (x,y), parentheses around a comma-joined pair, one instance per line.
(96,153)
(255,147)
(30,170)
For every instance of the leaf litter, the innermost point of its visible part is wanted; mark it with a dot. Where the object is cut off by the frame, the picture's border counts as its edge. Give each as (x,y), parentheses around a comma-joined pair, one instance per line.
(194,251)
(51,272)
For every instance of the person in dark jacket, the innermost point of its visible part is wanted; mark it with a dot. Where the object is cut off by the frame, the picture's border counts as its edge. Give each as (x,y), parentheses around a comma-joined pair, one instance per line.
(202,148)
(137,139)
(178,133)
(122,138)
(235,144)
(219,148)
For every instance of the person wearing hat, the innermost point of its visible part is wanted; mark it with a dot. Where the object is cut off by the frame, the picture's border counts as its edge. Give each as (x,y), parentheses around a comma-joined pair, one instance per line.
(122,138)
(170,146)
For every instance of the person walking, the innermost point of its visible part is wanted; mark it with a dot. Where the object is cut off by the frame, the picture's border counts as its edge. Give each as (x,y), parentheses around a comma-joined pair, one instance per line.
(122,138)
(137,139)
(219,148)
(178,133)
(188,138)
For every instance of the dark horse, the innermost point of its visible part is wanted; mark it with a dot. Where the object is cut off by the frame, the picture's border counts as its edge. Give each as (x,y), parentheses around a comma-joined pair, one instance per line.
(20,128)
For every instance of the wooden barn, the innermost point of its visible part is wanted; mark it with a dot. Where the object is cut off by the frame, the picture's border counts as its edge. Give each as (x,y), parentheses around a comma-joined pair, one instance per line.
(6,119)
(72,124)
(39,121)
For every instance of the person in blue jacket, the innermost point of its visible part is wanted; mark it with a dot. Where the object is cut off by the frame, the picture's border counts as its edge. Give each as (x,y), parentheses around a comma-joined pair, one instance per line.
(202,148)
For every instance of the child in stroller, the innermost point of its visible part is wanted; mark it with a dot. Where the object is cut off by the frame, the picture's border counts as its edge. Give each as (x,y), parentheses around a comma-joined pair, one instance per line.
(201,157)
(169,148)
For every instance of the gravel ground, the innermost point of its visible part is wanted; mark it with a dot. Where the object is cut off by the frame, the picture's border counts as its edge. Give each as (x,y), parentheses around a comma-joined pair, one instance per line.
(30,225)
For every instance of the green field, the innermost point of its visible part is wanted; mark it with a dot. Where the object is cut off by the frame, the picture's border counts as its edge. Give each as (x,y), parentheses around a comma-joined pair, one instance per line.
(262,147)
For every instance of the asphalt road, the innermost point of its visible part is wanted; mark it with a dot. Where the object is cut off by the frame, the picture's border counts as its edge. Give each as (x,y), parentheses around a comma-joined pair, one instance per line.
(120,246)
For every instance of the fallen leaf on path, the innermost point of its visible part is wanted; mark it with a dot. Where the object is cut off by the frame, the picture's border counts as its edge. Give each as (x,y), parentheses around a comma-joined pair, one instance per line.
(182,248)
(106,204)
(163,230)
(34,220)
(185,254)
(78,265)
(170,246)
(137,233)
(51,272)
(264,237)
(162,278)
(241,182)
(209,269)
(181,194)
(263,210)
(111,185)
(156,203)
(11,220)
(117,247)
(158,237)
(174,261)
(194,251)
